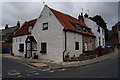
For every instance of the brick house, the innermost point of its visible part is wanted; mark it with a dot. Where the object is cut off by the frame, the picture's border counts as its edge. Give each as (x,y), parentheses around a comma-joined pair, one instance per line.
(115,35)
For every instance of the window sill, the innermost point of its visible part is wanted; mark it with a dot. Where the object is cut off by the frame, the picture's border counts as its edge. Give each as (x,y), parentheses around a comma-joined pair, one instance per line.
(21,50)
(43,52)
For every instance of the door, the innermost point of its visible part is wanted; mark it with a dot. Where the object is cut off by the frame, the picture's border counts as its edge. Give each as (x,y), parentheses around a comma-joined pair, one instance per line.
(29,52)
(31,46)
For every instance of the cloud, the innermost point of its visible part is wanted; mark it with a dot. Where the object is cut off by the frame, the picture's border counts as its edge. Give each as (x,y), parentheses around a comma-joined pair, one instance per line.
(22,11)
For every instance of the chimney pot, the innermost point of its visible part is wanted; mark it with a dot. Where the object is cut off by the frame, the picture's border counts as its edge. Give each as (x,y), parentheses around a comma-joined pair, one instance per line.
(80,17)
(6,27)
(86,15)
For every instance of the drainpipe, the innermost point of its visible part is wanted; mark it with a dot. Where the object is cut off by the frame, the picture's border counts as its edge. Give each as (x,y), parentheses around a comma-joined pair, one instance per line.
(65,45)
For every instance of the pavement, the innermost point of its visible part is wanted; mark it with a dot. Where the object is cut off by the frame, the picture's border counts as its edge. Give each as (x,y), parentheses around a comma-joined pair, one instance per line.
(43,65)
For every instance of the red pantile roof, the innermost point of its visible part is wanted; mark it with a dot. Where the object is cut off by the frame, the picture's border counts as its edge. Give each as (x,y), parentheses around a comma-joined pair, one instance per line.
(24,28)
(65,19)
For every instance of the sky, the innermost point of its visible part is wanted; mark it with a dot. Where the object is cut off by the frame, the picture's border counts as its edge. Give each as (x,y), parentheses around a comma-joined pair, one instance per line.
(25,11)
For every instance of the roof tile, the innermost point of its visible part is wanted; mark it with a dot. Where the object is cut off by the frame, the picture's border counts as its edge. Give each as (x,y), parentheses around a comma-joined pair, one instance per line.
(65,19)
(24,28)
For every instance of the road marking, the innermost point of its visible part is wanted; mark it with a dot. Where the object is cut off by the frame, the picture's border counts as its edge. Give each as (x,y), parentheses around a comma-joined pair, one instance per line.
(61,69)
(13,74)
(51,71)
(45,70)
(20,75)
(37,73)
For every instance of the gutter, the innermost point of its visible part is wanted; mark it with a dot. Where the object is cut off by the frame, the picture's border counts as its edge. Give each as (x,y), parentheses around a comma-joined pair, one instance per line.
(65,45)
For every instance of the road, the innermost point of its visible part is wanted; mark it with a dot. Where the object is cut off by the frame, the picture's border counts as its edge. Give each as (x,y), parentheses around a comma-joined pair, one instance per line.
(105,69)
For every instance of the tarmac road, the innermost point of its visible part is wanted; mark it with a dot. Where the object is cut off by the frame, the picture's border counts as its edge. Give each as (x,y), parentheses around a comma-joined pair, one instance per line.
(105,69)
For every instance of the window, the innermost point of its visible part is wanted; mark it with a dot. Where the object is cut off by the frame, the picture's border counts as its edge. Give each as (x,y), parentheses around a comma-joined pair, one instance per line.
(103,42)
(103,31)
(30,28)
(86,46)
(90,45)
(98,29)
(99,42)
(34,46)
(84,29)
(76,25)
(21,47)
(76,45)
(45,26)
(89,30)
(43,48)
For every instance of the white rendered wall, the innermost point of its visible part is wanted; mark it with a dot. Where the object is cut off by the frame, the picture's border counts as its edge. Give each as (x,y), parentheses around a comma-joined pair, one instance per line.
(54,36)
(94,27)
(71,39)
(16,41)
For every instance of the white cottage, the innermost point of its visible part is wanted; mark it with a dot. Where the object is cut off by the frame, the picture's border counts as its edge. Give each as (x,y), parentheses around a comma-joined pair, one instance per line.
(53,36)
(98,31)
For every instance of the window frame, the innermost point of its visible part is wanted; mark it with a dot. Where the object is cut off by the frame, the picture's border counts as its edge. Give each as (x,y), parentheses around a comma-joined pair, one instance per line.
(30,28)
(98,29)
(45,26)
(43,48)
(21,47)
(77,45)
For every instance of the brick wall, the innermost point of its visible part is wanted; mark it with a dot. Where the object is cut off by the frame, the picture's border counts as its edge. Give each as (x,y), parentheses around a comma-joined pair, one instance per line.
(88,39)
(7,45)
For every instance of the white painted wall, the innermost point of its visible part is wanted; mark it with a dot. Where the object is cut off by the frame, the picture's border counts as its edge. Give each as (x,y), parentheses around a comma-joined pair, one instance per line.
(71,39)
(54,36)
(94,27)
(16,41)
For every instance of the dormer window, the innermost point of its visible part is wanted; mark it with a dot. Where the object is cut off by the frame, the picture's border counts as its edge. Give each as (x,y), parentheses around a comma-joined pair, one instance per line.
(76,25)
(84,29)
(30,28)
(45,26)
(89,30)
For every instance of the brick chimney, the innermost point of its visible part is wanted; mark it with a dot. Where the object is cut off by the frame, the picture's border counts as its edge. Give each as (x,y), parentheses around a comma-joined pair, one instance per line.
(80,17)
(86,15)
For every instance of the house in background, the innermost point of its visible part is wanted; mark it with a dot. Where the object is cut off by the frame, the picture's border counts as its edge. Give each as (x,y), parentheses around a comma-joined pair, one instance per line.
(96,29)
(115,35)
(52,36)
(7,34)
